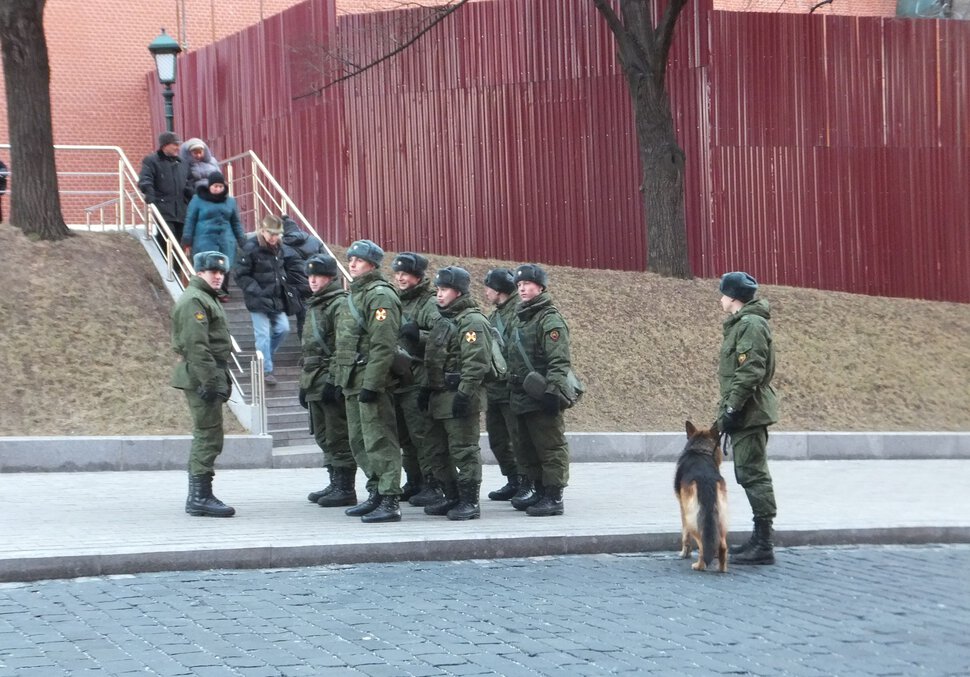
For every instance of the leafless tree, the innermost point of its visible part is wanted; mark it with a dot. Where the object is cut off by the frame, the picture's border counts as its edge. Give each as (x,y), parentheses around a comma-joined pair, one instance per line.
(643,47)
(36,203)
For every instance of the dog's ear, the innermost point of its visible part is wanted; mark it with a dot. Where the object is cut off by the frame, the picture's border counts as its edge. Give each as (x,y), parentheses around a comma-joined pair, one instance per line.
(690,429)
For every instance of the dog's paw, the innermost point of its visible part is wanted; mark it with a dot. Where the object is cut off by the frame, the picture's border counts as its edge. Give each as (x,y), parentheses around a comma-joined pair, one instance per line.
(685,553)
(698,565)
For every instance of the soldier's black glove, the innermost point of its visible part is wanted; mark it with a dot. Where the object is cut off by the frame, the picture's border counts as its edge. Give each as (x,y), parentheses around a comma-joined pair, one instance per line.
(303,399)
(367,396)
(460,405)
(424,399)
(331,393)
(410,330)
(730,421)
(550,404)
(211,395)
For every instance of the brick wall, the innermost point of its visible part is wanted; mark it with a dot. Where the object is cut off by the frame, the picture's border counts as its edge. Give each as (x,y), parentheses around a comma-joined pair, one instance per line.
(99,58)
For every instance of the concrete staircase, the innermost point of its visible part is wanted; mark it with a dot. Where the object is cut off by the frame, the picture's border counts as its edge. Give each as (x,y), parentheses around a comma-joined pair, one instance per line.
(288,422)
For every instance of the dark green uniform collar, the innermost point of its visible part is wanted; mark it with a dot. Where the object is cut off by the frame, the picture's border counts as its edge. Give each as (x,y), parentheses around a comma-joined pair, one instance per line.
(422,288)
(528,309)
(202,285)
(456,307)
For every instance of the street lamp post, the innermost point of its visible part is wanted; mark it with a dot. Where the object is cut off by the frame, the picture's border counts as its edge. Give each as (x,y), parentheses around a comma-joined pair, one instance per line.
(164,49)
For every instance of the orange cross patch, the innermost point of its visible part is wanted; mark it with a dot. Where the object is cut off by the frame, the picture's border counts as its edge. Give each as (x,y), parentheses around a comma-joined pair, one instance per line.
(742,357)
(554,335)
(199,315)
(471,336)
(380,314)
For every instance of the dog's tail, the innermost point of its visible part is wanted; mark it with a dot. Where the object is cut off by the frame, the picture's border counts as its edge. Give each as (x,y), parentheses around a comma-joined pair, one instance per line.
(709,523)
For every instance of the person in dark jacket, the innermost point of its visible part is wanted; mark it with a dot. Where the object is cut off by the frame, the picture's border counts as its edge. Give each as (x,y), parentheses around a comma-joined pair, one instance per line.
(306,245)
(272,279)
(212,223)
(163,181)
(748,406)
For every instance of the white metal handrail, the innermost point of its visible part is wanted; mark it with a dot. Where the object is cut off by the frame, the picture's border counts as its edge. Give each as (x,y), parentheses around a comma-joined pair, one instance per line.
(131,213)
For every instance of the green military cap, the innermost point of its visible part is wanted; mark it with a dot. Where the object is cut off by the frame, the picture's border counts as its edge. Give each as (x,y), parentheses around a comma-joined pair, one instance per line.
(321,264)
(367,250)
(210,261)
(454,277)
(530,272)
(739,285)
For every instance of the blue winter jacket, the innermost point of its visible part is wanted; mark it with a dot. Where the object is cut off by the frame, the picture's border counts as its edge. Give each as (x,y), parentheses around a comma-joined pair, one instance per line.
(212,224)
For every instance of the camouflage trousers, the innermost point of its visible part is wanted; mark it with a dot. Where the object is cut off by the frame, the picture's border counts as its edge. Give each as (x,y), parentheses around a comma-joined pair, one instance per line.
(329,425)
(751,469)
(373,440)
(207,433)
(502,429)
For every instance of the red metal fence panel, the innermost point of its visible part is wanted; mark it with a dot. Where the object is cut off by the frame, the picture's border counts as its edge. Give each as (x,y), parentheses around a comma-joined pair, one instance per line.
(821,151)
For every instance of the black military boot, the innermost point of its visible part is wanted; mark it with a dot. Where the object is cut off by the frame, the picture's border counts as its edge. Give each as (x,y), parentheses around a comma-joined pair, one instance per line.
(738,549)
(369,504)
(550,504)
(430,493)
(411,489)
(445,503)
(201,502)
(314,496)
(388,511)
(528,494)
(761,550)
(467,508)
(508,491)
(344,492)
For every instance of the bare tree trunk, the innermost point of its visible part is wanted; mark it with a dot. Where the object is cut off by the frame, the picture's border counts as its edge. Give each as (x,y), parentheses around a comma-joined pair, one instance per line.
(36,204)
(643,53)
(662,186)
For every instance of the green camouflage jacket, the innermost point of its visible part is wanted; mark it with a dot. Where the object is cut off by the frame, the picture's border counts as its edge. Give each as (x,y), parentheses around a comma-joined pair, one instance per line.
(320,337)
(747,364)
(367,338)
(544,337)
(458,348)
(200,337)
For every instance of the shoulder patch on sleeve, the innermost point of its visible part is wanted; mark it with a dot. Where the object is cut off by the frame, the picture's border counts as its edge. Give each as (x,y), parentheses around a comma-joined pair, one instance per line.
(554,335)
(200,316)
(380,314)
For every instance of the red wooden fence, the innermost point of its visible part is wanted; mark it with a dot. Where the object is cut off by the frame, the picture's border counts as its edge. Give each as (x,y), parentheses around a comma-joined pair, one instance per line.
(823,151)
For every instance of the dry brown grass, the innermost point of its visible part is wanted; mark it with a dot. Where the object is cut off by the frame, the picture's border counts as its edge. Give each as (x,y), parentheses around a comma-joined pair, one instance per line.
(84,348)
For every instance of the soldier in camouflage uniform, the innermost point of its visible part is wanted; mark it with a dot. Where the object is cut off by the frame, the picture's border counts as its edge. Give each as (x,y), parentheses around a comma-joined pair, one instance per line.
(319,394)
(540,344)
(366,344)
(200,337)
(458,359)
(424,465)
(500,425)
(748,406)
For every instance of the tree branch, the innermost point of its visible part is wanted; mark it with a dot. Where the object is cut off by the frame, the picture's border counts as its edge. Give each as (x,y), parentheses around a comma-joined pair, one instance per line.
(442,15)
(664,37)
(824,2)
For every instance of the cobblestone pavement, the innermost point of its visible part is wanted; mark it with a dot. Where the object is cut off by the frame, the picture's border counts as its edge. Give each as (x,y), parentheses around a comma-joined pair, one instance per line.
(855,610)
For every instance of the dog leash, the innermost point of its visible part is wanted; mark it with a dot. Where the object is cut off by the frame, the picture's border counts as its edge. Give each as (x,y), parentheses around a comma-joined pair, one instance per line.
(725,441)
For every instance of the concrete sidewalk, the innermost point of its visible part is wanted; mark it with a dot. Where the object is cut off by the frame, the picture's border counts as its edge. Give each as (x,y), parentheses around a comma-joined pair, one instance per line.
(57,525)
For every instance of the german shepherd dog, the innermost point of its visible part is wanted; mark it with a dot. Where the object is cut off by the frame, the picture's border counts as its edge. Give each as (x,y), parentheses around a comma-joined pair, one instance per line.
(703,497)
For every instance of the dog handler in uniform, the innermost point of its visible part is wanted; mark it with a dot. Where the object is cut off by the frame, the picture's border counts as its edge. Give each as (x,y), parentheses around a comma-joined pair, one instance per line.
(748,406)
(540,346)
(200,337)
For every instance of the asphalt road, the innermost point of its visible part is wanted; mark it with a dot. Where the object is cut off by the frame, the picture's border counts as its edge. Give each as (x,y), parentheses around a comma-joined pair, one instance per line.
(877,610)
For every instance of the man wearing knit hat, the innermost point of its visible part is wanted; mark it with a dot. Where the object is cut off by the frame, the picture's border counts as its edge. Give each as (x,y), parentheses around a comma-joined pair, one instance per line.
(367,337)
(500,291)
(748,405)
(164,181)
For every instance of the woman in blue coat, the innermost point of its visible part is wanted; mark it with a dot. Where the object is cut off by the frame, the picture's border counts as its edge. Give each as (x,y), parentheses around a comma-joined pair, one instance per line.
(212,223)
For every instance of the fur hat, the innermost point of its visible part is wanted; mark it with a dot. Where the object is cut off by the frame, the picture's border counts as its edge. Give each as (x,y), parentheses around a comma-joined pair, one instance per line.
(211,260)
(453,277)
(530,272)
(321,264)
(272,224)
(194,143)
(500,279)
(409,262)
(739,285)
(166,138)
(367,250)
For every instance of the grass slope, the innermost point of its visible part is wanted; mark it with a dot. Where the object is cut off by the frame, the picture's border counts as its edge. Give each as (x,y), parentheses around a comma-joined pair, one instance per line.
(85,350)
